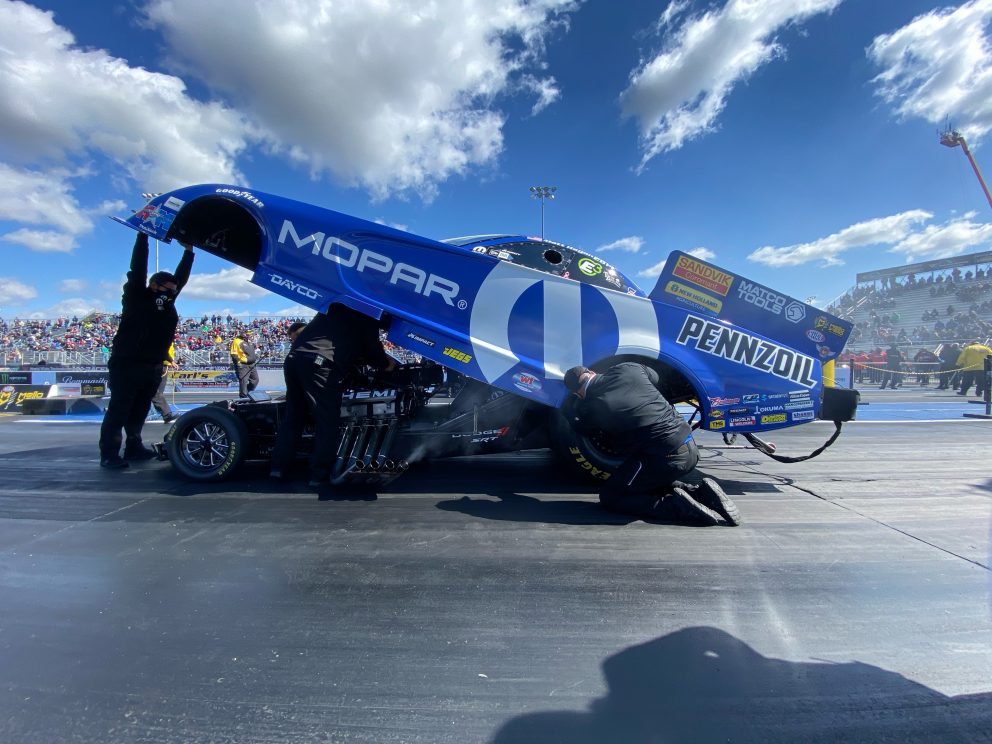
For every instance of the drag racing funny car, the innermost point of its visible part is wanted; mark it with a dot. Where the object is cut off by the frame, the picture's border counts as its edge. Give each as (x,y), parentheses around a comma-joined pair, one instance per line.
(498,319)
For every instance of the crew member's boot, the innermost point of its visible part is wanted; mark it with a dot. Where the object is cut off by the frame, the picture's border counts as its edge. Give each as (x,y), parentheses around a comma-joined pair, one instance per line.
(135,450)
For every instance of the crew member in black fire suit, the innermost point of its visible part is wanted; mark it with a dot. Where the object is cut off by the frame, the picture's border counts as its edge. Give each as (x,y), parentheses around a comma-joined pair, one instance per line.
(146,329)
(315,368)
(657,443)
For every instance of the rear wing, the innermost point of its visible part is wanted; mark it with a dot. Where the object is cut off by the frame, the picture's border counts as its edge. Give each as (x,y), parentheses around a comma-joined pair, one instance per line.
(712,291)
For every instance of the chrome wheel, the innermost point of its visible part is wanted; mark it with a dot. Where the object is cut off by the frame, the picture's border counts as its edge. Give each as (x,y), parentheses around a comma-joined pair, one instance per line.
(206,446)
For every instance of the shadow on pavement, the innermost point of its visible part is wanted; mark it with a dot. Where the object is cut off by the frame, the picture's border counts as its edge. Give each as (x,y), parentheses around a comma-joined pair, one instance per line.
(704,685)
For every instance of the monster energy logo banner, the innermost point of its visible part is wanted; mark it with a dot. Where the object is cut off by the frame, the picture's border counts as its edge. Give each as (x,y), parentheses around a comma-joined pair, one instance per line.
(720,341)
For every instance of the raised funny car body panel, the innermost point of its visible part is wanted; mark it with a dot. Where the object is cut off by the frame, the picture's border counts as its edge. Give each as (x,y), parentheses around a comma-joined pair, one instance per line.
(519,328)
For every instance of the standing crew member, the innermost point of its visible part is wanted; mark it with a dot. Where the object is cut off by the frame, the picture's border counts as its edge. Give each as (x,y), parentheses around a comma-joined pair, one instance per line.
(625,402)
(147,327)
(893,367)
(315,368)
(159,401)
(245,359)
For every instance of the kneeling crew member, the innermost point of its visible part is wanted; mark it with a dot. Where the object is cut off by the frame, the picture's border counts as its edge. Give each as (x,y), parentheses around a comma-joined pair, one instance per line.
(656,441)
(147,327)
(315,368)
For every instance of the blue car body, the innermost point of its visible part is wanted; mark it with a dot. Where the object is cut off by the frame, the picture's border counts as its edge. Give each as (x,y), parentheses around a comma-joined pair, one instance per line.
(517,312)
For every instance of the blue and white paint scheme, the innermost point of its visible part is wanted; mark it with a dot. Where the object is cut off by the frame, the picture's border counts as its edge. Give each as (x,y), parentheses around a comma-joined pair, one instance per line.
(507,308)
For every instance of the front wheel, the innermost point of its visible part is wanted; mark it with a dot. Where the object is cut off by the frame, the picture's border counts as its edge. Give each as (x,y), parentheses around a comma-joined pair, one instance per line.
(207,444)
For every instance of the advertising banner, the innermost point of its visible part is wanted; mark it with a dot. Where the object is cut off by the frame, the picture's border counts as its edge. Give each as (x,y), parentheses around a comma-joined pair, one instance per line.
(15,378)
(212,379)
(13,396)
(98,377)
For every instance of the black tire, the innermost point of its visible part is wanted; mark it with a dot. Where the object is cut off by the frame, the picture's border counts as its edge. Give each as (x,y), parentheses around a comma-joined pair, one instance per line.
(589,457)
(207,444)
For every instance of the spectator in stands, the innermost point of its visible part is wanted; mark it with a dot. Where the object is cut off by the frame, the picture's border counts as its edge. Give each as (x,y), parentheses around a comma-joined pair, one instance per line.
(971,361)
(893,368)
(861,360)
(147,327)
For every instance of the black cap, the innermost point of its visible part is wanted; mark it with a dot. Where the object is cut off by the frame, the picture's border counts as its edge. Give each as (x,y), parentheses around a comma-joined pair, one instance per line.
(573,376)
(161,277)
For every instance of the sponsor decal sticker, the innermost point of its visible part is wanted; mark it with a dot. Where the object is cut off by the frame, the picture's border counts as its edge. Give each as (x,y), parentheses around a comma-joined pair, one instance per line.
(694,298)
(716,413)
(750,398)
(769,409)
(802,416)
(742,421)
(457,355)
(524,381)
(815,336)
(589,267)
(750,351)
(775,418)
(717,424)
(759,296)
(724,401)
(365,260)
(173,203)
(421,340)
(246,195)
(795,312)
(738,411)
(823,323)
(300,289)
(702,275)
(798,405)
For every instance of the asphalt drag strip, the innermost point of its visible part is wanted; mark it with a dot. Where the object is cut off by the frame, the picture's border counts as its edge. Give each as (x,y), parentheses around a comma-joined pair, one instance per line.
(490,599)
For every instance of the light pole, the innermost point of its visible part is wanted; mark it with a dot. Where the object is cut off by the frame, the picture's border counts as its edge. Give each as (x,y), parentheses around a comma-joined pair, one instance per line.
(542,193)
(149,196)
(953,138)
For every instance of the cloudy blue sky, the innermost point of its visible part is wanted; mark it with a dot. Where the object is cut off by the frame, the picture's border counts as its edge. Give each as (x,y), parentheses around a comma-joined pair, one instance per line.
(792,141)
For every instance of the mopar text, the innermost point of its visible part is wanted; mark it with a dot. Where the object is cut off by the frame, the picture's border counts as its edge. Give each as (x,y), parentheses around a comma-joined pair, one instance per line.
(737,346)
(363,259)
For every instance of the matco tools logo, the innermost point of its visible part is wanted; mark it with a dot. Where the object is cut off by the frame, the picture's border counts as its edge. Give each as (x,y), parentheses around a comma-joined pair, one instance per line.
(758,296)
(363,259)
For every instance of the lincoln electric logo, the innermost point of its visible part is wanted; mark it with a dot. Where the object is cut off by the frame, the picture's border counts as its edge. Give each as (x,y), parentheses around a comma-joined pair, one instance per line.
(351,256)
(292,286)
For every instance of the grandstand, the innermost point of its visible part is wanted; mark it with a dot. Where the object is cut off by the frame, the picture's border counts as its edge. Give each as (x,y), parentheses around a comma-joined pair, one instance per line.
(200,342)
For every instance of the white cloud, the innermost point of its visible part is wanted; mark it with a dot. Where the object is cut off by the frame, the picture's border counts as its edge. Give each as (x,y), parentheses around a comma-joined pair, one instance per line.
(13,292)
(632,244)
(678,95)
(879,231)
(939,66)
(703,254)
(74,306)
(394,225)
(43,241)
(390,95)
(62,102)
(943,241)
(653,271)
(228,284)
(72,285)
(294,311)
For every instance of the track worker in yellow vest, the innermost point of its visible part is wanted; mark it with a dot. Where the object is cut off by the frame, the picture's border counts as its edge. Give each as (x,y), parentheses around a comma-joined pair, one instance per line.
(244,358)
(159,401)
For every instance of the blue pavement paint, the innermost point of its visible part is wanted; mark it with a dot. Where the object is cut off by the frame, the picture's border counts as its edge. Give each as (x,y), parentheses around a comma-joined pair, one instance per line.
(917,411)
